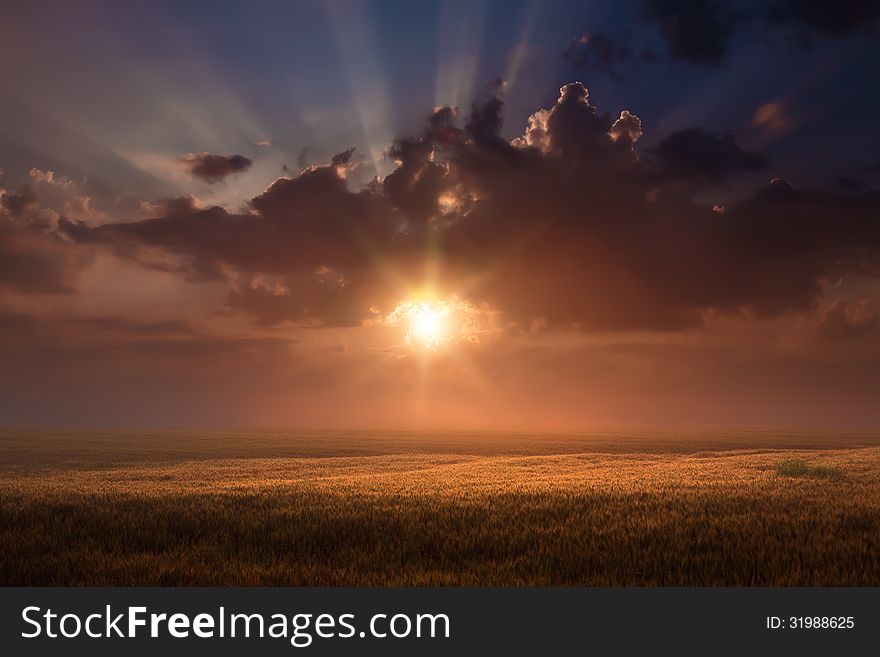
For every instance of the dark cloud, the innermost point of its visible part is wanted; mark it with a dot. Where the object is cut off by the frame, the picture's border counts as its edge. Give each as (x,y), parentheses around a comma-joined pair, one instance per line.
(701,31)
(813,18)
(323,297)
(614,56)
(214,168)
(565,224)
(598,52)
(33,262)
(417,183)
(696,31)
(842,321)
(443,127)
(343,159)
(34,259)
(18,203)
(695,154)
(299,227)
(847,184)
(484,123)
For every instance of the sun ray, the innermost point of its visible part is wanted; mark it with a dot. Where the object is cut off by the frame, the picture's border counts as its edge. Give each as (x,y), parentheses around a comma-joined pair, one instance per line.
(352,24)
(521,49)
(459,37)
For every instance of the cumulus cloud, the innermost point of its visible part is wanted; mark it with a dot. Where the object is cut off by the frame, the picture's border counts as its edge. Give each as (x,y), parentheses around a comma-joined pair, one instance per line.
(566,225)
(212,168)
(627,129)
(80,207)
(49,178)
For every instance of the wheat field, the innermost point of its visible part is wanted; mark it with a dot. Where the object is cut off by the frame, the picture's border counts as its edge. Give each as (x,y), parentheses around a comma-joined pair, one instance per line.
(348,508)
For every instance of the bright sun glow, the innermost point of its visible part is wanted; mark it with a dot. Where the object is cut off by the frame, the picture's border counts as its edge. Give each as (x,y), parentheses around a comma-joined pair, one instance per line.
(427,325)
(434,324)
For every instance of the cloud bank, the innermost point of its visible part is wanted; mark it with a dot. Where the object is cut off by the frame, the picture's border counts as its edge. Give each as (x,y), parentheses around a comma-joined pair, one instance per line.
(567,225)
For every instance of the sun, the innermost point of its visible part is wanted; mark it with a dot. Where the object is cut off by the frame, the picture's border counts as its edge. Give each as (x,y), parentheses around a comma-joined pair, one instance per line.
(427,325)
(431,324)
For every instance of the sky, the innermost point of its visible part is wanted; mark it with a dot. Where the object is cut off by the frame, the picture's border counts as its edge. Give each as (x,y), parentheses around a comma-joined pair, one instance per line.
(498,215)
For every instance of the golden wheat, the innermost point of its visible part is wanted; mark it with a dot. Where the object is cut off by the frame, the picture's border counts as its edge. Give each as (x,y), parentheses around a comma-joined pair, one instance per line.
(463,509)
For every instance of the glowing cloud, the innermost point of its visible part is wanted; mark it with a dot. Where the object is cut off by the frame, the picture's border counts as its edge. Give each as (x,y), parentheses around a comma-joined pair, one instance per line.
(434,324)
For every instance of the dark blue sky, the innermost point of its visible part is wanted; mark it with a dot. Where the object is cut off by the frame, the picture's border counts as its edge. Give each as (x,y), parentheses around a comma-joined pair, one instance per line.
(104,89)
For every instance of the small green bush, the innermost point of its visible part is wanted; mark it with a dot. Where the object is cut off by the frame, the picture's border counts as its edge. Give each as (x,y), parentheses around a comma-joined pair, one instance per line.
(799,468)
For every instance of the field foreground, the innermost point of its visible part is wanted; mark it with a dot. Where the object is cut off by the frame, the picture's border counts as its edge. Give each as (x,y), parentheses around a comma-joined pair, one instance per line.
(462,509)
